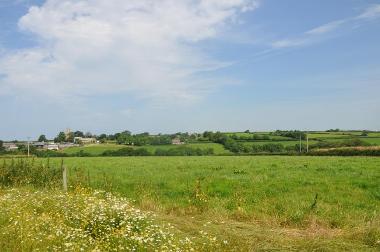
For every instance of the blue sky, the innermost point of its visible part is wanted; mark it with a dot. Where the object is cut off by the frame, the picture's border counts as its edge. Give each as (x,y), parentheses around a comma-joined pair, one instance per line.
(168,66)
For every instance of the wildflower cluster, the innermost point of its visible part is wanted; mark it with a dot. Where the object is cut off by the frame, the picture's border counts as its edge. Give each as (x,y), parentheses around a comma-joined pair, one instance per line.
(81,221)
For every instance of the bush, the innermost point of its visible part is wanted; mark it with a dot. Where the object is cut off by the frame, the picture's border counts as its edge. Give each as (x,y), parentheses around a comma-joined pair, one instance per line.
(346,143)
(184,151)
(128,151)
(49,153)
(346,152)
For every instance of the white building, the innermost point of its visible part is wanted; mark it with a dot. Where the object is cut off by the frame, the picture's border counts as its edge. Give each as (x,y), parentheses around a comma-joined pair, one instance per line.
(10,146)
(84,140)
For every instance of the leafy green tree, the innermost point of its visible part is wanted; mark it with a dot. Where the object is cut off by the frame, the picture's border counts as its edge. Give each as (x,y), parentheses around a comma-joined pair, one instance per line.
(42,138)
(88,135)
(60,138)
(78,134)
(102,138)
(2,146)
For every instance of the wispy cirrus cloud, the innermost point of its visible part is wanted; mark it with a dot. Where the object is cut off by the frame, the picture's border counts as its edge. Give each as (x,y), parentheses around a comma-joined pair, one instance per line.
(320,33)
(147,48)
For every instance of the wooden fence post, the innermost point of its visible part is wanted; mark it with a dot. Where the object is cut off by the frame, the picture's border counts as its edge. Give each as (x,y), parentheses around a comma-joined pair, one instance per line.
(64,178)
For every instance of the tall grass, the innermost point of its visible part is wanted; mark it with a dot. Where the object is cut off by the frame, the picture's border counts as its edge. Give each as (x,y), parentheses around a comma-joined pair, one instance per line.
(29,172)
(84,220)
(36,215)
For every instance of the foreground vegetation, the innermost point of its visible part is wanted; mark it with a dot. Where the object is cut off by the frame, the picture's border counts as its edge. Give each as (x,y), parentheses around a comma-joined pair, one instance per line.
(213,203)
(326,203)
(37,216)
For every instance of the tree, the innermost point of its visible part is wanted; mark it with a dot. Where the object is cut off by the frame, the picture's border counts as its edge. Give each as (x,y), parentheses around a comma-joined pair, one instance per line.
(88,135)
(42,138)
(60,138)
(102,138)
(1,146)
(78,134)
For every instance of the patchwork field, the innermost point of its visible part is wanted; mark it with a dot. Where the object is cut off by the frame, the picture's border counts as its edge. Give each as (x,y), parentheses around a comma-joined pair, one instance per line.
(249,139)
(256,203)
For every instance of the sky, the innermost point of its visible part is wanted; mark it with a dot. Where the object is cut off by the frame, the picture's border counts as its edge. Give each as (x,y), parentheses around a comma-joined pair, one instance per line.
(164,66)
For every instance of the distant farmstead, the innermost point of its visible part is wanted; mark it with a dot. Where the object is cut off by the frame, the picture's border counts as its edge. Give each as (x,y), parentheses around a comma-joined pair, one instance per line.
(52,147)
(10,146)
(177,141)
(84,140)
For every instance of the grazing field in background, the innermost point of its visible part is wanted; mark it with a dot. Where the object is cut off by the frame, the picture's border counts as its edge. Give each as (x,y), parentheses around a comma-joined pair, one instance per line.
(98,149)
(250,140)
(309,203)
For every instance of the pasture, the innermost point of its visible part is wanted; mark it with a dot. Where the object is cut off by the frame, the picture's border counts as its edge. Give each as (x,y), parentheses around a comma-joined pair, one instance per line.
(303,203)
(98,149)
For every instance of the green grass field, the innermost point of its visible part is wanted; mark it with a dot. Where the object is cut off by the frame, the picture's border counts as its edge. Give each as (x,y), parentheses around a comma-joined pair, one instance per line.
(256,203)
(284,143)
(98,149)
(375,141)
(370,140)
(93,149)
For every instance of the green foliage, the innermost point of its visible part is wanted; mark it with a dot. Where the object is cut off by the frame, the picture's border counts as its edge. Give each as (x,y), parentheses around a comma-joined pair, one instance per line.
(253,198)
(333,130)
(184,151)
(347,152)
(127,152)
(22,172)
(85,220)
(78,134)
(296,134)
(60,138)
(345,143)
(42,138)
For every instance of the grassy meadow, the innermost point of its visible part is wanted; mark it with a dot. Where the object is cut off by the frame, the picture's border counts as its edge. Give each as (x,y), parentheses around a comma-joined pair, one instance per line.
(98,149)
(211,203)
(268,203)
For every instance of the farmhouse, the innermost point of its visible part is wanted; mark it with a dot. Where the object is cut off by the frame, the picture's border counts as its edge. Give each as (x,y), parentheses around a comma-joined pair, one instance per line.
(10,146)
(177,141)
(52,146)
(39,145)
(84,140)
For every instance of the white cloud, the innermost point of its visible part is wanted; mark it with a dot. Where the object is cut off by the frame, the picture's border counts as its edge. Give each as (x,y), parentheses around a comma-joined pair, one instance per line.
(147,47)
(329,27)
(284,43)
(371,12)
(319,33)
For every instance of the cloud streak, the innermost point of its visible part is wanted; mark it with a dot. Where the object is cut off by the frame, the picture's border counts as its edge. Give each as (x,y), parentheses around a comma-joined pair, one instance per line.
(147,48)
(320,33)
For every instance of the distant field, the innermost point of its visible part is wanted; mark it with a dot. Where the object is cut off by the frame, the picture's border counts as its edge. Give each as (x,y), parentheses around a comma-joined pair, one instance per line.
(284,143)
(376,134)
(218,148)
(94,149)
(370,140)
(98,149)
(256,203)
(329,135)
